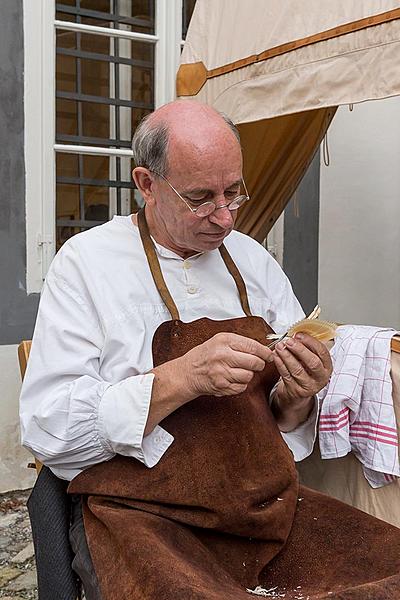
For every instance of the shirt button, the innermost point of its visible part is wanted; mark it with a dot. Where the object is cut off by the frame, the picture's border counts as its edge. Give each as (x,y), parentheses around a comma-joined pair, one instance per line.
(186,264)
(157,439)
(192,289)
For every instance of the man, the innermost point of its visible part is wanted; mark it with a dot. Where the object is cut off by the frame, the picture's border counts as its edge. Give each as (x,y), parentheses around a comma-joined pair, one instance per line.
(92,390)
(69,367)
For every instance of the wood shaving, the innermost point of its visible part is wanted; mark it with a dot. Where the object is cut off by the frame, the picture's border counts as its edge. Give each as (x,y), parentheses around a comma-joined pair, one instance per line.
(270,593)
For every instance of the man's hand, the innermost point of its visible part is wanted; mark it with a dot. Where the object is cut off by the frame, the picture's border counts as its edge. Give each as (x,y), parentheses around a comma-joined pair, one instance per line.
(224,365)
(305,367)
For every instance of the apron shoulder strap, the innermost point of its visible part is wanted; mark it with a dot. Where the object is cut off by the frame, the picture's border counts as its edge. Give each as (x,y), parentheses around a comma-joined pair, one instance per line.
(155,269)
(154,265)
(240,284)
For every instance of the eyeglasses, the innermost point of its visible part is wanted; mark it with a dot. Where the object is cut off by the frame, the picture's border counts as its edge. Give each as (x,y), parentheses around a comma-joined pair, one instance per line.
(207,208)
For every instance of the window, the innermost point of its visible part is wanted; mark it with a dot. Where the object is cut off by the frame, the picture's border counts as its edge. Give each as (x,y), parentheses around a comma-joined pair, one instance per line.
(93,69)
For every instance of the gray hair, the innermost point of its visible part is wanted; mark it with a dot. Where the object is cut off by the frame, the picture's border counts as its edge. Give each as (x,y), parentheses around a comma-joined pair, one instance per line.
(150,144)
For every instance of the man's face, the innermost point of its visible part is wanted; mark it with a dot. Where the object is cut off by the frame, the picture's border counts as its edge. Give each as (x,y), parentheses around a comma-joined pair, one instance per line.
(200,173)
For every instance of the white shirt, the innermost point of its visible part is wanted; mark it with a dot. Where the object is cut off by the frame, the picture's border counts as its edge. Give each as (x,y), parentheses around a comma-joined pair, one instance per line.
(86,394)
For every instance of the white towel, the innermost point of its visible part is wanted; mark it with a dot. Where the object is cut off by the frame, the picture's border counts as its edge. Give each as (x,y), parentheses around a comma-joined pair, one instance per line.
(357,406)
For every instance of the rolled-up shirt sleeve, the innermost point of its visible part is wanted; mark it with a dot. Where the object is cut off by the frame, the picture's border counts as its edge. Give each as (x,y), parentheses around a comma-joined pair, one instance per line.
(71,418)
(131,398)
(302,439)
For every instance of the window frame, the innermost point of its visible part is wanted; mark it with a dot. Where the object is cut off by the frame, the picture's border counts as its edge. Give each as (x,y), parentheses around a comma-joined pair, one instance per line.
(40,26)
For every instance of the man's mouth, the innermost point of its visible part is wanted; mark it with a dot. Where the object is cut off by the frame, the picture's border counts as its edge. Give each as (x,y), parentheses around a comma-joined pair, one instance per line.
(216,234)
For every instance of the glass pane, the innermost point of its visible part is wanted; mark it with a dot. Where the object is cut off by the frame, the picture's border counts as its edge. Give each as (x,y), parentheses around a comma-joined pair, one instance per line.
(96,120)
(103,5)
(99,169)
(137,116)
(131,15)
(67,202)
(141,51)
(65,73)
(66,117)
(96,203)
(90,190)
(67,165)
(97,44)
(125,166)
(65,16)
(114,71)
(125,124)
(129,119)
(95,77)
(142,85)
(95,167)
(65,39)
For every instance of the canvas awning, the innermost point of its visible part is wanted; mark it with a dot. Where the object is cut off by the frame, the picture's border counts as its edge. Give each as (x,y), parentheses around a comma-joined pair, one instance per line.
(279,69)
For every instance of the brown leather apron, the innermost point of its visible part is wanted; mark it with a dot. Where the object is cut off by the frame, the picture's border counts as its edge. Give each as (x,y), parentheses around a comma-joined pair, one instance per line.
(207,521)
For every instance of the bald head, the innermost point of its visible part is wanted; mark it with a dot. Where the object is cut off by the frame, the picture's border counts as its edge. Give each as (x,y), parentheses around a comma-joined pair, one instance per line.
(196,151)
(178,129)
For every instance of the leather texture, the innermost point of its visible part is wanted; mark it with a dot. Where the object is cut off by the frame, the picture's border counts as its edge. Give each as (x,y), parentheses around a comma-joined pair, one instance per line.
(222,512)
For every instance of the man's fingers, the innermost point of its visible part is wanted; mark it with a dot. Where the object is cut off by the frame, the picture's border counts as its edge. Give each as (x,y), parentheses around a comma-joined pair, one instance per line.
(292,368)
(283,370)
(235,382)
(316,347)
(308,359)
(242,360)
(247,345)
(241,376)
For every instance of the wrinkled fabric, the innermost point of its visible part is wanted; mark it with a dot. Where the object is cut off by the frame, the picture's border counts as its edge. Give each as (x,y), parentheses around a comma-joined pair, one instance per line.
(357,412)
(87,389)
(221,514)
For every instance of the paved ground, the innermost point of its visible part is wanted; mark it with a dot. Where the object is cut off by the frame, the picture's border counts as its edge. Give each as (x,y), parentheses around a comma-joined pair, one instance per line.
(17,563)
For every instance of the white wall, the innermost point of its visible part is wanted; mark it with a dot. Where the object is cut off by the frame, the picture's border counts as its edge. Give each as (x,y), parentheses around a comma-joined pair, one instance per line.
(14,474)
(359,267)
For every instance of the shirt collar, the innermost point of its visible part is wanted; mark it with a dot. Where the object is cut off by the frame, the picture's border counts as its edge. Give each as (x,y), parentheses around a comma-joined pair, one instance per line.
(161,250)
(166,253)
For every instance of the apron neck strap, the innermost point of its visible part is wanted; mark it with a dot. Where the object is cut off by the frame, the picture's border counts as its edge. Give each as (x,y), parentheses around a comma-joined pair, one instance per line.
(154,265)
(240,284)
(159,281)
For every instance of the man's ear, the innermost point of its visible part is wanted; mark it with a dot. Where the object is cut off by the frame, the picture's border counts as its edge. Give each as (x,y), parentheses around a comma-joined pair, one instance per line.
(144,183)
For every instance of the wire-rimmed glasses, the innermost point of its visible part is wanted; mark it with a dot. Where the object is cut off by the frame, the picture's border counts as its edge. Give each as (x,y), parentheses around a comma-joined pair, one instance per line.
(207,208)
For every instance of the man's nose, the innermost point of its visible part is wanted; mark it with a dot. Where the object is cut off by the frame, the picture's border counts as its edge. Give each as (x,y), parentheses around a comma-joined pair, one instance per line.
(222,216)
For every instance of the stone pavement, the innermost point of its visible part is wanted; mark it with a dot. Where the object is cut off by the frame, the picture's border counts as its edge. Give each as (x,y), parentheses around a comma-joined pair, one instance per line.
(17,562)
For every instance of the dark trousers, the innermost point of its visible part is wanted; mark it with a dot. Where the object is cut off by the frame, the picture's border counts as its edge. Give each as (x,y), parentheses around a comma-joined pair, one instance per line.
(82,563)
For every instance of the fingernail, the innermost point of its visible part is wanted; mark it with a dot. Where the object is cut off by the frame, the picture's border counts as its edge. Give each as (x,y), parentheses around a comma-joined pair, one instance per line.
(289,342)
(270,358)
(299,336)
(281,346)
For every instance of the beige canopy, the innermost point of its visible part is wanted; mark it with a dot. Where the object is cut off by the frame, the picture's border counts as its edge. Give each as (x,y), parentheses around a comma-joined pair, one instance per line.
(279,69)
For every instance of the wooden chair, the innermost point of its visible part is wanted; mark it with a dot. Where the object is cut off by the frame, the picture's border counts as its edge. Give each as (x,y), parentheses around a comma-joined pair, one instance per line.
(23,354)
